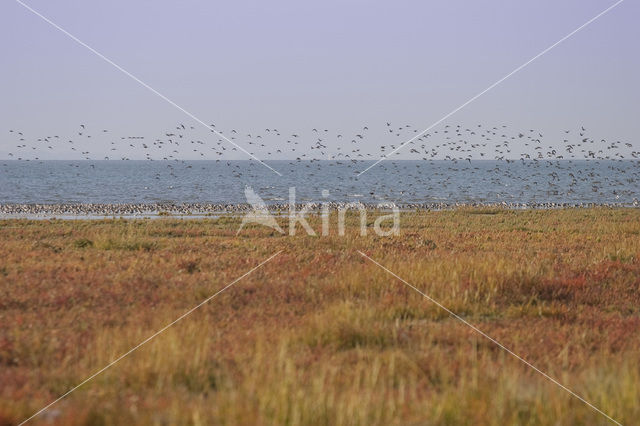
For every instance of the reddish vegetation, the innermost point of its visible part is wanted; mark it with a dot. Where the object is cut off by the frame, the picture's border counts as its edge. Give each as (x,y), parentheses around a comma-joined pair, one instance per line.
(320,335)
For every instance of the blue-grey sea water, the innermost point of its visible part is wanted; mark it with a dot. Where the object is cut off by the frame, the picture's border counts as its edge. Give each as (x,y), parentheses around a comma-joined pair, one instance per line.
(595,181)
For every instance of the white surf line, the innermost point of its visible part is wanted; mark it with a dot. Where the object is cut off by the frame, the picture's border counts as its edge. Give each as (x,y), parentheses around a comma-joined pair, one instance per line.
(101,56)
(384,157)
(500,345)
(147,339)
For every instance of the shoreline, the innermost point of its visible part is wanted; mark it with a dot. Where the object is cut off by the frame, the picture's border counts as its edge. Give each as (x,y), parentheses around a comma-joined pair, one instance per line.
(205,210)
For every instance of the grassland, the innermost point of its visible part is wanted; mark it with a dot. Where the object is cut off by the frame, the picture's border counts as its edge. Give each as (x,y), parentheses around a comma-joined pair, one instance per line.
(320,335)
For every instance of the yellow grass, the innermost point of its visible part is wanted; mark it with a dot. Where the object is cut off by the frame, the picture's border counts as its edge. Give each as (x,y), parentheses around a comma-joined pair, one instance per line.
(320,335)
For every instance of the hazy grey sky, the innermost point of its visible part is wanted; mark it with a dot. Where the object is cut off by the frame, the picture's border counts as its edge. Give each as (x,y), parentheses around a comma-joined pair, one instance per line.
(250,65)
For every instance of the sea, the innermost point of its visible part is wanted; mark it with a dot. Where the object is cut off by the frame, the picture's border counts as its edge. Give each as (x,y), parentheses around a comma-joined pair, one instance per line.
(406,182)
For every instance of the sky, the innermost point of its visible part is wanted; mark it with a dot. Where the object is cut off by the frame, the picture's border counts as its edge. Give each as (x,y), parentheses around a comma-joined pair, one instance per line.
(291,65)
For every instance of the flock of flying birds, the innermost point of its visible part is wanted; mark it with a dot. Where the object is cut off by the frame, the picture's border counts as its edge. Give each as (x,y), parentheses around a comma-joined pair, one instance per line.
(458,145)
(451,142)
